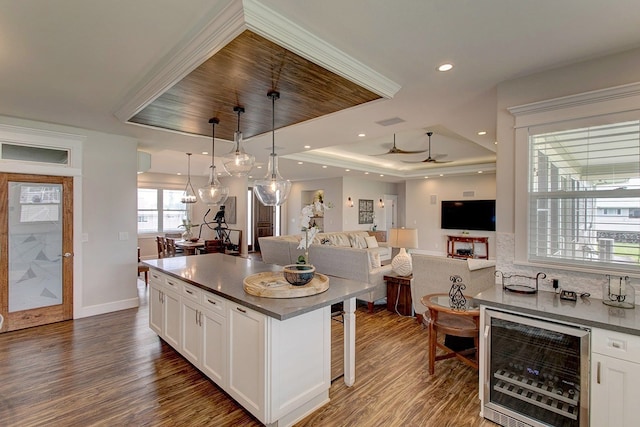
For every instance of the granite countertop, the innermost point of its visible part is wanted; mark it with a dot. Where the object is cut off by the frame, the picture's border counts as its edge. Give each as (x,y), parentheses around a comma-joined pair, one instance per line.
(223,275)
(586,311)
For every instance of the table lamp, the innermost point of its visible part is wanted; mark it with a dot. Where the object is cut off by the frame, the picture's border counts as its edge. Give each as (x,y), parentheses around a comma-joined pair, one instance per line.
(403,238)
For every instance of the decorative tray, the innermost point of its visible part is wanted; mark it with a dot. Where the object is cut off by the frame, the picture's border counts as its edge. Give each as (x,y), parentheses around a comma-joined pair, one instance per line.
(272,284)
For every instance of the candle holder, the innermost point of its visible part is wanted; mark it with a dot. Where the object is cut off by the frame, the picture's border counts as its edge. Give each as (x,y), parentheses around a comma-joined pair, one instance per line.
(618,292)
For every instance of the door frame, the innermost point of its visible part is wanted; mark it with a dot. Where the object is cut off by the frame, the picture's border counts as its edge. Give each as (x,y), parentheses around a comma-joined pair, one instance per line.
(17,134)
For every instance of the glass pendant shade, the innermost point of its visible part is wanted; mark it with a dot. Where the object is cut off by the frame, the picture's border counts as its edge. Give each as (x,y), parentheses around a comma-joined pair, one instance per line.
(214,193)
(272,190)
(189,195)
(238,162)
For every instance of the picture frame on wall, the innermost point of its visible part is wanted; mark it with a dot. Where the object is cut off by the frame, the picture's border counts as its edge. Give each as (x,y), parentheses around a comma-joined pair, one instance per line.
(365,211)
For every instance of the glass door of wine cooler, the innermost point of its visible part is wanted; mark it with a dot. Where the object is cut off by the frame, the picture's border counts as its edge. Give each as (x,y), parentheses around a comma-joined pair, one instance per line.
(535,371)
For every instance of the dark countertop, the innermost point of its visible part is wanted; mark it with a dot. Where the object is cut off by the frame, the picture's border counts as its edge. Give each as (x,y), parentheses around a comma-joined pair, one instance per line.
(586,311)
(223,275)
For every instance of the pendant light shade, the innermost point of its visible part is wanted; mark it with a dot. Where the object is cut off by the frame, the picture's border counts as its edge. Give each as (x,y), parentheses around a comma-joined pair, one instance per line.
(214,193)
(237,162)
(272,190)
(189,195)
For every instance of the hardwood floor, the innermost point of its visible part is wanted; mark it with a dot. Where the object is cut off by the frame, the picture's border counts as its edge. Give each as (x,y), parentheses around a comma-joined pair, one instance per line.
(113,370)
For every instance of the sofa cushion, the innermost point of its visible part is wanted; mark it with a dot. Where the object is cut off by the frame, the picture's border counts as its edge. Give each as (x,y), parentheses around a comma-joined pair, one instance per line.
(371,241)
(340,239)
(357,241)
(374,259)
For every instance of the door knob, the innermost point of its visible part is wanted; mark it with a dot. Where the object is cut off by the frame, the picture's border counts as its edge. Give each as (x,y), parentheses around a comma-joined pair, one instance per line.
(67,255)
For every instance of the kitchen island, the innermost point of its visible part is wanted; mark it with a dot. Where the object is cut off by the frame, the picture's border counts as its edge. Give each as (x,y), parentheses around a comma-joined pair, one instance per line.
(273,356)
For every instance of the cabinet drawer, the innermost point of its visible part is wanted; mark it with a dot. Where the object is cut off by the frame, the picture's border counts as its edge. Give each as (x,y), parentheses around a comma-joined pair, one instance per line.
(616,344)
(173,284)
(191,292)
(214,303)
(156,277)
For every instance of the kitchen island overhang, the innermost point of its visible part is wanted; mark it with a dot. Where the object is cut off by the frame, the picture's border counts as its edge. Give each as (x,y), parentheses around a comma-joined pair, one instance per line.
(293,334)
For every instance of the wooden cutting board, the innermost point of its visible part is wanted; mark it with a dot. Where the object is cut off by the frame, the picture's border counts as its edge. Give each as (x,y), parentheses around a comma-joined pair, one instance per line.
(272,284)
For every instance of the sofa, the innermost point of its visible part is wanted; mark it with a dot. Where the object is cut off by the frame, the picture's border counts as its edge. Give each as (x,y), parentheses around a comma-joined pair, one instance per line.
(346,254)
(431,274)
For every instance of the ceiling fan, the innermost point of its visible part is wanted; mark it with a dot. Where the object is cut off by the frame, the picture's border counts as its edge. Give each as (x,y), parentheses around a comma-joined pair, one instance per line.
(396,150)
(433,159)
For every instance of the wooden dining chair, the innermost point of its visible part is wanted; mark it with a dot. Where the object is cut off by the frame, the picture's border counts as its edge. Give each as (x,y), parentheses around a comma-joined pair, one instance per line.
(211,246)
(161,244)
(143,269)
(170,246)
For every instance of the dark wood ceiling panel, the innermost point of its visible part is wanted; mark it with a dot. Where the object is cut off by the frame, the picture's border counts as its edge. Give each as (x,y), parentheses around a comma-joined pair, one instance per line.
(242,73)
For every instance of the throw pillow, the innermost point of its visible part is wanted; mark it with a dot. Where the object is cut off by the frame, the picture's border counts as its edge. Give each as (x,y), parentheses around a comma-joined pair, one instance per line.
(374,259)
(357,242)
(371,241)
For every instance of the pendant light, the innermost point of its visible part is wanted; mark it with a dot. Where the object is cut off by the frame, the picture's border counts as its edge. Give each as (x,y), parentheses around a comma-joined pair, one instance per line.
(272,190)
(214,193)
(189,196)
(237,162)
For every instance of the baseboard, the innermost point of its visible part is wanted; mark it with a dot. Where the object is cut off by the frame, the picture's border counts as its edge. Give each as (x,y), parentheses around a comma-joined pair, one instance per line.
(94,310)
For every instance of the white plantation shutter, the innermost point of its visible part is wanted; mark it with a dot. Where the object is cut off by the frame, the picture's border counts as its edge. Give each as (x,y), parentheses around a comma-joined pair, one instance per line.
(584,196)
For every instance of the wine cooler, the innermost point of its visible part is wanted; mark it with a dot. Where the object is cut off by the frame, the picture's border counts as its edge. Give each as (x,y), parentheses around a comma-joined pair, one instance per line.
(533,372)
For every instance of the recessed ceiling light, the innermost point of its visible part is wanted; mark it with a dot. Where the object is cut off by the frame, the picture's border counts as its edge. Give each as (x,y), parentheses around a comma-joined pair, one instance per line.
(205,152)
(259,167)
(366,173)
(445,67)
(381,175)
(307,146)
(324,166)
(482,132)
(250,176)
(347,170)
(426,177)
(362,135)
(495,142)
(441,174)
(300,163)
(479,171)
(179,173)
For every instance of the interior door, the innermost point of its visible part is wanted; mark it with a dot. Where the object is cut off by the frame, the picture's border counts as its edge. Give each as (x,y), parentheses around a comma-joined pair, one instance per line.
(264,221)
(36,249)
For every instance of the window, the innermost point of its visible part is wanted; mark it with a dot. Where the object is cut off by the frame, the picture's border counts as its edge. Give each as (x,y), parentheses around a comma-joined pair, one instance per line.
(584,195)
(159,210)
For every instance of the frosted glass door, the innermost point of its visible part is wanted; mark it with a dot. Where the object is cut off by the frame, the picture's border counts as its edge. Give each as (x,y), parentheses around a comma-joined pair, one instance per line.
(35,245)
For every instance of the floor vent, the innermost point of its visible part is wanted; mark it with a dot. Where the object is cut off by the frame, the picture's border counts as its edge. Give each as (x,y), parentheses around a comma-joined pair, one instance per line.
(502,419)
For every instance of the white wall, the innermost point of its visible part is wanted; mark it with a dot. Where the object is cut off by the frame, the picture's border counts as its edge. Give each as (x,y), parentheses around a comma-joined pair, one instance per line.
(105,280)
(332,194)
(613,70)
(425,215)
(357,188)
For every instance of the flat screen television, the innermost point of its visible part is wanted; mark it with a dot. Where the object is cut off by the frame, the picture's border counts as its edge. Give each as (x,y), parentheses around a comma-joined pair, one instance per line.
(468,215)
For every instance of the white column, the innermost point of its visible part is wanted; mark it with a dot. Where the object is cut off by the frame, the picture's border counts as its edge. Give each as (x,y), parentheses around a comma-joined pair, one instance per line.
(349,317)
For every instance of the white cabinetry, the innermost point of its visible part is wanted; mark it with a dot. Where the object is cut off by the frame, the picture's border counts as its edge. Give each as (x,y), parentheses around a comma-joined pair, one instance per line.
(246,358)
(204,338)
(279,370)
(164,308)
(615,378)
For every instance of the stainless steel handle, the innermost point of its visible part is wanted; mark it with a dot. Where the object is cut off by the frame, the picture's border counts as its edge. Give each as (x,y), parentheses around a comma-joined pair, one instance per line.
(188,291)
(197,318)
(598,373)
(241,310)
(200,318)
(211,302)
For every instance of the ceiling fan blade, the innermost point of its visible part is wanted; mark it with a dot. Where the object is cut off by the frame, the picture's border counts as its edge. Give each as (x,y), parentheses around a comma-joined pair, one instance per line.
(396,150)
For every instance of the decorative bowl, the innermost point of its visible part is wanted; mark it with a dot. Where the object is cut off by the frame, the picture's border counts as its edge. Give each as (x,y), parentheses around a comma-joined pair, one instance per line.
(298,274)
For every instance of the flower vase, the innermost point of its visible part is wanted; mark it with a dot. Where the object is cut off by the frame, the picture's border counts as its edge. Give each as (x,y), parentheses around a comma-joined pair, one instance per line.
(187,235)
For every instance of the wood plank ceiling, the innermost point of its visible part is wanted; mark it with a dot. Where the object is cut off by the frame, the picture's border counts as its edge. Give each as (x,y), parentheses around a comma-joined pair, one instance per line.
(242,73)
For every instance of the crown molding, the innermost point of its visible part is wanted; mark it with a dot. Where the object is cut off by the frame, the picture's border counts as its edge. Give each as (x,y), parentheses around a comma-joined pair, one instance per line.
(286,33)
(234,18)
(184,58)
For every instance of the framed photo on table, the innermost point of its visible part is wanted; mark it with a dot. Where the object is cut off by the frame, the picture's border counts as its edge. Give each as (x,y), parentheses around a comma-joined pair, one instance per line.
(365,211)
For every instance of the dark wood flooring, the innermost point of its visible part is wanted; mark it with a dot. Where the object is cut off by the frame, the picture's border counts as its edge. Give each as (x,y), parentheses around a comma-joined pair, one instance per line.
(112,370)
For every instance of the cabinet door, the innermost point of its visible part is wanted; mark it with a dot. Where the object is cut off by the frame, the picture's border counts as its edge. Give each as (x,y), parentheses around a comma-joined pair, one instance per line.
(155,308)
(171,322)
(615,385)
(214,347)
(191,346)
(247,358)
